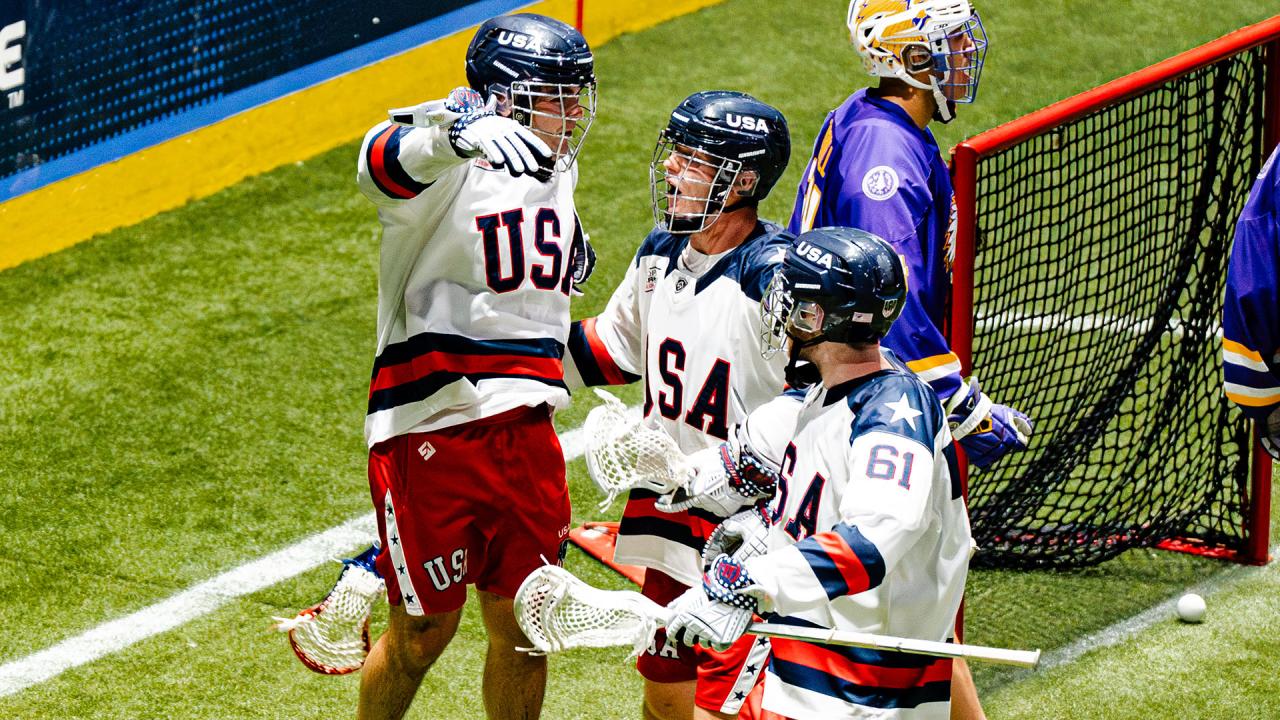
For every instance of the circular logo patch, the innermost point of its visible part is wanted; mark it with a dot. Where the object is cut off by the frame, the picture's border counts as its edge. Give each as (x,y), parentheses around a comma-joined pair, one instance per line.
(880,182)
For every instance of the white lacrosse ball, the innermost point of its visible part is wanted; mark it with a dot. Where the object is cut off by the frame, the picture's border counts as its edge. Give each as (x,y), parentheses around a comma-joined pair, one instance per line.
(1191,608)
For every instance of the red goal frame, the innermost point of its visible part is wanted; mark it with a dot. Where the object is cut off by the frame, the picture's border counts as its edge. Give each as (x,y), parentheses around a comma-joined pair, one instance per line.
(967,156)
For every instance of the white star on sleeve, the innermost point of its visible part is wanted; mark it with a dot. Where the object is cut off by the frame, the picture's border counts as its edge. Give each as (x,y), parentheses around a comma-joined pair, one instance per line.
(902,410)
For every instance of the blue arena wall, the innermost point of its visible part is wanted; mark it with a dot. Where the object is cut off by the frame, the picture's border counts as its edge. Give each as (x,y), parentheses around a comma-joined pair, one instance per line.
(105,79)
(113,111)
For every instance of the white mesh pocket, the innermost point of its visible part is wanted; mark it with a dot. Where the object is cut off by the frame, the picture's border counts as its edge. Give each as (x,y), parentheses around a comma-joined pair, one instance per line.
(557,611)
(333,637)
(623,453)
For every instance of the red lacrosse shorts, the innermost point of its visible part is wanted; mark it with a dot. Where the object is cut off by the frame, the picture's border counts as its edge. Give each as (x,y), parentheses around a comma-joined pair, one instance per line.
(725,679)
(475,504)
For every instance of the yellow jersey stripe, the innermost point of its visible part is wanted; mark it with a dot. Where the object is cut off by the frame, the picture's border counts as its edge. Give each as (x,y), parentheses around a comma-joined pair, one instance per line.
(1231,346)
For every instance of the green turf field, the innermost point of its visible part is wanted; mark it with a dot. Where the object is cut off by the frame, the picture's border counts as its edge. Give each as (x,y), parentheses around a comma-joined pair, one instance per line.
(186,395)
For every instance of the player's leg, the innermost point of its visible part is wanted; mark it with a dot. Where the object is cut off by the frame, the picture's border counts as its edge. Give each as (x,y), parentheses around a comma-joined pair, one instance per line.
(513,681)
(964,695)
(526,525)
(426,535)
(400,659)
(668,700)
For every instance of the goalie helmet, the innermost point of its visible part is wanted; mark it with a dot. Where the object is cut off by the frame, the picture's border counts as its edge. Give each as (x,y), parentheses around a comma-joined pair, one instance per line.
(901,38)
(532,62)
(845,284)
(712,138)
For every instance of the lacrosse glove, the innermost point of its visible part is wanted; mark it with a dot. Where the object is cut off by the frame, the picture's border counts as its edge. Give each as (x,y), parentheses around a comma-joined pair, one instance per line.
(725,479)
(502,141)
(986,430)
(724,612)
(439,113)
(742,535)
(582,259)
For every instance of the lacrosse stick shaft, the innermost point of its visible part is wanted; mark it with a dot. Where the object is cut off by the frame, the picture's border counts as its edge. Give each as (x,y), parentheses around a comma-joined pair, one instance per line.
(1001,656)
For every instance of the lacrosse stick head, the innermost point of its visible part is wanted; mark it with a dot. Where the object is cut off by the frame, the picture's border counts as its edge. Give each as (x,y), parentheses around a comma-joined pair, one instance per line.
(623,453)
(332,638)
(557,611)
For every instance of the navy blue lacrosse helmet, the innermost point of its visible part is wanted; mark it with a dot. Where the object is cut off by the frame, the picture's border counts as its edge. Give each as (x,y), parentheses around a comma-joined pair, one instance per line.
(843,283)
(524,47)
(717,134)
(539,67)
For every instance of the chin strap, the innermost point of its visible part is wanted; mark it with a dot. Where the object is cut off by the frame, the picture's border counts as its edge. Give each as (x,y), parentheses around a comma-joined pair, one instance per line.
(801,373)
(946,109)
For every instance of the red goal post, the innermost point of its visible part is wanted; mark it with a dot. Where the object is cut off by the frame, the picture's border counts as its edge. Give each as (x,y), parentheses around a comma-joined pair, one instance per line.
(1091,243)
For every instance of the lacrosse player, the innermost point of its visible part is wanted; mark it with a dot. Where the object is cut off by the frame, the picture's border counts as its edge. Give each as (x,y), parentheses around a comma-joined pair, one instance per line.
(679,322)
(481,247)
(868,531)
(877,167)
(1251,313)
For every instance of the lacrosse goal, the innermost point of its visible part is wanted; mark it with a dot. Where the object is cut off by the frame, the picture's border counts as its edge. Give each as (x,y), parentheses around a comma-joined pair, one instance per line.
(1091,252)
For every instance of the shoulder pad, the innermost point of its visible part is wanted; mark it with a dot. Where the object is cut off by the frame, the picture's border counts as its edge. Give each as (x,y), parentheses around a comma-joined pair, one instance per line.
(897,402)
(661,243)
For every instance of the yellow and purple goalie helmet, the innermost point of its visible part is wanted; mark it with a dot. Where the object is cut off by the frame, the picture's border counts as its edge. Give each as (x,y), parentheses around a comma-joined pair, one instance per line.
(949,32)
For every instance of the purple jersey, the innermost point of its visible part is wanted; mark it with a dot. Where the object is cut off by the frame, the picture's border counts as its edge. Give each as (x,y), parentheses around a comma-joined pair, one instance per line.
(1251,311)
(875,170)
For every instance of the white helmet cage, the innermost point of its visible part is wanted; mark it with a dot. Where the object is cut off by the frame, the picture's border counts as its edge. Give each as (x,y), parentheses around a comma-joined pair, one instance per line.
(780,313)
(691,199)
(949,32)
(571,107)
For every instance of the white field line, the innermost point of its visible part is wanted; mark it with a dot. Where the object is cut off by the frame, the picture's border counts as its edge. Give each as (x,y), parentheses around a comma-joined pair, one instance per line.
(1123,630)
(1078,323)
(206,597)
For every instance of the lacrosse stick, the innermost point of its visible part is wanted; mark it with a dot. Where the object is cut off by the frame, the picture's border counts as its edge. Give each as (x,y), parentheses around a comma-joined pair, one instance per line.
(557,611)
(624,453)
(332,638)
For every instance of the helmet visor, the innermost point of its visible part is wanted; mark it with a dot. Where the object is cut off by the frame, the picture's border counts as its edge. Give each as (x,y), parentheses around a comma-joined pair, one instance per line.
(688,187)
(559,114)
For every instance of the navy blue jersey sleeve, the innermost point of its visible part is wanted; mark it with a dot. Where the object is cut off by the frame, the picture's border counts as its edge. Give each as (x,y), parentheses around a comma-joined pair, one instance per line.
(762,260)
(900,404)
(1251,307)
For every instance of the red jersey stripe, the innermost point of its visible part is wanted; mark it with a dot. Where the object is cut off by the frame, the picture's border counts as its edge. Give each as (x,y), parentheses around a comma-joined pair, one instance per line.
(438,361)
(644,507)
(832,663)
(378,168)
(612,373)
(845,560)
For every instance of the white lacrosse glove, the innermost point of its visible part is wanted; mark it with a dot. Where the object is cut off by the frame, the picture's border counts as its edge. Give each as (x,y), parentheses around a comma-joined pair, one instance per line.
(502,141)
(439,113)
(742,535)
(725,479)
(724,612)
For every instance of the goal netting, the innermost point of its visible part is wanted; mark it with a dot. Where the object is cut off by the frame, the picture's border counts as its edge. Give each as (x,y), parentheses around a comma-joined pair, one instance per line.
(1099,231)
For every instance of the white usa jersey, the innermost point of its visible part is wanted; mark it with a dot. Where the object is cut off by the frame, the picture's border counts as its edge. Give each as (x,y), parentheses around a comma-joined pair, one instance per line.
(694,337)
(870,533)
(473,284)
